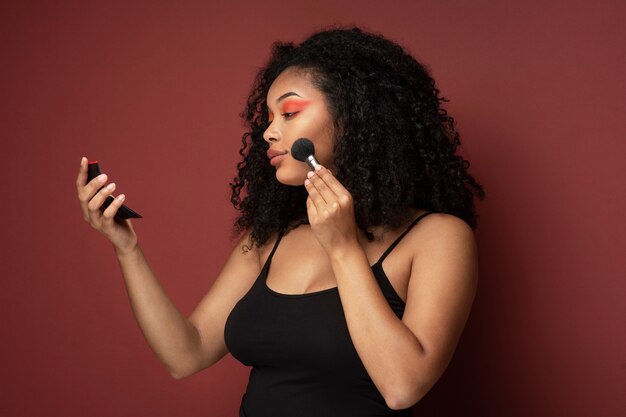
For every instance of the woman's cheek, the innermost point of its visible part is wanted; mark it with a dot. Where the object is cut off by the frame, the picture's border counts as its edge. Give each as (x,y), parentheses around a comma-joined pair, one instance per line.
(292,172)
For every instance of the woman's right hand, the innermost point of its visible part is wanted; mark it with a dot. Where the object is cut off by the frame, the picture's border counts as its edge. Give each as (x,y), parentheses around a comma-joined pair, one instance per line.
(119,232)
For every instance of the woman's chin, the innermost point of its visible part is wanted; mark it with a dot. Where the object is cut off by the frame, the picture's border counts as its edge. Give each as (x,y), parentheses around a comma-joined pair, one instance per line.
(292,179)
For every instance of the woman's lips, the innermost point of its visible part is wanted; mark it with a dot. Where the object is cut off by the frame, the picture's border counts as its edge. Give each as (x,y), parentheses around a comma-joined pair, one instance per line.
(276,156)
(276,159)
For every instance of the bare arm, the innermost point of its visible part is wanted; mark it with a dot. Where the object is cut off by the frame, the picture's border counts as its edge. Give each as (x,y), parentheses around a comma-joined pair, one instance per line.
(187,345)
(173,338)
(404,357)
(183,345)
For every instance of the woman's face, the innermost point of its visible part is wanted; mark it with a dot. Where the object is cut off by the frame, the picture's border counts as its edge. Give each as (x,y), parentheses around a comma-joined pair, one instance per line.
(297,109)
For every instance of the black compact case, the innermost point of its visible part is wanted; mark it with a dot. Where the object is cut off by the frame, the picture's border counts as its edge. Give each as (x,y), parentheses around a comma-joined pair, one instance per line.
(93,170)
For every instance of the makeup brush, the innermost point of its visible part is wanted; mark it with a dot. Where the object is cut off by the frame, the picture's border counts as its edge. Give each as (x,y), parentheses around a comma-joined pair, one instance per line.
(303,150)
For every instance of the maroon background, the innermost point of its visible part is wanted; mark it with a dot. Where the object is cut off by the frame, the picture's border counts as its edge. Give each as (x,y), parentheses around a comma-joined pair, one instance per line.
(153,90)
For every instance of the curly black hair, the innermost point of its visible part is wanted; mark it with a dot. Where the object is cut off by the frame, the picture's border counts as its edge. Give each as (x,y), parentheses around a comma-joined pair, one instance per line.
(395,145)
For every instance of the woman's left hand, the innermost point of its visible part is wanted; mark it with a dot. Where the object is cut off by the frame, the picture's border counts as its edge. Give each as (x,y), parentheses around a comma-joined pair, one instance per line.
(330,209)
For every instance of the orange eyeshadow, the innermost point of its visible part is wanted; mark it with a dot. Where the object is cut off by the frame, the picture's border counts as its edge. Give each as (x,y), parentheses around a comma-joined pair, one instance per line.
(292,106)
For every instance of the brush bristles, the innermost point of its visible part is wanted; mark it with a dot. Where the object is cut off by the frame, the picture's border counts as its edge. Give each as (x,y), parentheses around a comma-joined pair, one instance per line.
(302,148)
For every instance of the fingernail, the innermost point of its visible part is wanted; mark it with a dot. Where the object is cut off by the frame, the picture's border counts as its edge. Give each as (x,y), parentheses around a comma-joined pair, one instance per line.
(307,182)
(110,186)
(121,197)
(318,167)
(102,177)
(82,161)
(310,174)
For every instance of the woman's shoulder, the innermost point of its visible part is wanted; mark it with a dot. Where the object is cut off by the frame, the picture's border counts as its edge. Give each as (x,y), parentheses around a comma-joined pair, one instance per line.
(263,251)
(437,220)
(426,221)
(441,238)
(435,228)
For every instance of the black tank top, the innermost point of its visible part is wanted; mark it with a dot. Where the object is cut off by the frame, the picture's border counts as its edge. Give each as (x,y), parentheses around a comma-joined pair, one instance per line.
(303,360)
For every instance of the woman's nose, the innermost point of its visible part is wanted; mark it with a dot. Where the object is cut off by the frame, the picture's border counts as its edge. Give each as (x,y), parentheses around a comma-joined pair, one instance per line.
(271,134)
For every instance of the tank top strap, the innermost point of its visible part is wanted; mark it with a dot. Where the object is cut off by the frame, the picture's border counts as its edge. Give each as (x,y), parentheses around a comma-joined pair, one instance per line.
(269,258)
(395,242)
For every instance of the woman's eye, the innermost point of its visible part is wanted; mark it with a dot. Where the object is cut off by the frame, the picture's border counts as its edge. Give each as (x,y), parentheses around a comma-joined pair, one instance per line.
(289,115)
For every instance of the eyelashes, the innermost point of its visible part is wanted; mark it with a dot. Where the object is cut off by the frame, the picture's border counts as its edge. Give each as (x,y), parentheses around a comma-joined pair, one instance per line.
(290,108)
(286,115)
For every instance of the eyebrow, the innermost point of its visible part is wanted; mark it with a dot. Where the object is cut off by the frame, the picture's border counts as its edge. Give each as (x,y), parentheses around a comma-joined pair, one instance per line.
(291,93)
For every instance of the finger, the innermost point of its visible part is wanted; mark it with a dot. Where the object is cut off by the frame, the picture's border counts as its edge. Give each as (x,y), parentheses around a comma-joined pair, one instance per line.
(110,212)
(342,196)
(94,206)
(96,202)
(85,195)
(311,210)
(330,180)
(81,179)
(327,194)
(87,191)
(314,195)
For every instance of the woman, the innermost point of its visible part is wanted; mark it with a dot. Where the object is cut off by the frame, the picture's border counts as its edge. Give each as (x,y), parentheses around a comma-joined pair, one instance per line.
(373,259)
